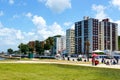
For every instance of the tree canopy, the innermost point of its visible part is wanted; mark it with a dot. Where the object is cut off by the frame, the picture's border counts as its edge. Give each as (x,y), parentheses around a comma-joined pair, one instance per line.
(24,48)
(38,46)
(10,51)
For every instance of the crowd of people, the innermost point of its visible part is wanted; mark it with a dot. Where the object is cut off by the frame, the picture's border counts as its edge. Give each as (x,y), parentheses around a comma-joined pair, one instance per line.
(94,59)
(107,61)
(111,61)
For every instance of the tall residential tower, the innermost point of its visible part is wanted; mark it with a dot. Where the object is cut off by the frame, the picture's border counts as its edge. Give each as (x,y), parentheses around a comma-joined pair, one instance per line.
(86,30)
(108,35)
(100,35)
(70,41)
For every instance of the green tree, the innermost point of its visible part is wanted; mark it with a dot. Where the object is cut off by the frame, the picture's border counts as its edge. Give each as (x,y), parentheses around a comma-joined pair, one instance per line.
(31,49)
(49,43)
(47,47)
(24,48)
(16,52)
(42,44)
(38,47)
(57,36)
(10,51)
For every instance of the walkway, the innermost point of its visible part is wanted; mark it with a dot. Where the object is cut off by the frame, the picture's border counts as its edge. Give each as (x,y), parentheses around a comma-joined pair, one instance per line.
(64,62)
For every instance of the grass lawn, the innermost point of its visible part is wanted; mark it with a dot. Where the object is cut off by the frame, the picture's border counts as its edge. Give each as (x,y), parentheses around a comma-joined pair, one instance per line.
(55,72)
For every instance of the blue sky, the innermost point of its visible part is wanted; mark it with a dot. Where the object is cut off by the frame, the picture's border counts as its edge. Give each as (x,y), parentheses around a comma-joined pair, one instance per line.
(26,20)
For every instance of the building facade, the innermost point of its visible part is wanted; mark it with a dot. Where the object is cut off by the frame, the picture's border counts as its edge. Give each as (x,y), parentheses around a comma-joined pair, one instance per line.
(59,45)
(86,30)
(100,35)
(108,35)
(70,41)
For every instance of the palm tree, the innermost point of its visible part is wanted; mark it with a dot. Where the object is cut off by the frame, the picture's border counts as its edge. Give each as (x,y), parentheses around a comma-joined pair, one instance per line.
(87,44)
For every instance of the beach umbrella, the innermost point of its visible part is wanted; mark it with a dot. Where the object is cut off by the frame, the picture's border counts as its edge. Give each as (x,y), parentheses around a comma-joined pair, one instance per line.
(94,55)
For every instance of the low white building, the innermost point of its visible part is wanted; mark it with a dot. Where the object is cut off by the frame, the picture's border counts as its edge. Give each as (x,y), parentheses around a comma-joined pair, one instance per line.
(59,45)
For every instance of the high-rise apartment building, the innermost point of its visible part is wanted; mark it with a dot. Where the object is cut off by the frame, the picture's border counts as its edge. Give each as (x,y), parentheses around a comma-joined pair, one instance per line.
(100,35)
(70,41)
(86,30)
(108,35)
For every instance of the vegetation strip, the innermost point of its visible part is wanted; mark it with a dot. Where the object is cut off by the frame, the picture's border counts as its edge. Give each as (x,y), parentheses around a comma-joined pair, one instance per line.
(64,62)
(55,72)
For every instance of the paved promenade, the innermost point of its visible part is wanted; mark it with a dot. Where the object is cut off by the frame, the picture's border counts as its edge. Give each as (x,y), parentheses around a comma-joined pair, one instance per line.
(64,62)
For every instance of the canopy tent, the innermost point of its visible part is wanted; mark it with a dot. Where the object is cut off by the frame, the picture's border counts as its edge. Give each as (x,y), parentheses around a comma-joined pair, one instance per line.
(106,51)
(116,52)
(98,51)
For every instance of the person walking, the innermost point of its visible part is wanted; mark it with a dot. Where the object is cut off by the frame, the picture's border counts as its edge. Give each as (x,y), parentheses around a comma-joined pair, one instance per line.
(93,60)
(117,59)
(103,60)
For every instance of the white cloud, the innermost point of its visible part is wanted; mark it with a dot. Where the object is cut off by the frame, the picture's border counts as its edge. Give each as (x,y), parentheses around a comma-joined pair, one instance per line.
(16,16)
(100,11)
(30,36)
(19,34)
(57,6)
(67,23)
(29,15)
(44,30)
(11,38)
(31,33)
(39,22)
(9,32)
(1,25)
(1,13)
(73,26)
(56,29)
(11,1)
(115,3)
